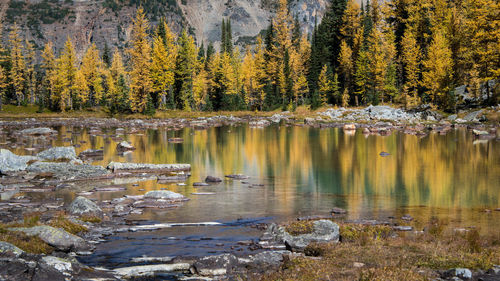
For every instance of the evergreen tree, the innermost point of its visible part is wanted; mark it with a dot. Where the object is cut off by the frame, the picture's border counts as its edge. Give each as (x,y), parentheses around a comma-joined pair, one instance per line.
(162,70)
(106,57)
(362,77)
(185,71)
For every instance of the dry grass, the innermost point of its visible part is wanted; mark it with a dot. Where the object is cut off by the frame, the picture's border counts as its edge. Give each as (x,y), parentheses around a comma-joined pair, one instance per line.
(299,227)
(30,244)
(91,219)
(61,221)
(33,244)
(384,256)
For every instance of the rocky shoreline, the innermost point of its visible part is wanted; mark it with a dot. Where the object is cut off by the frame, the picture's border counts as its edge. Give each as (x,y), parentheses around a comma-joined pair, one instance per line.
(58,168)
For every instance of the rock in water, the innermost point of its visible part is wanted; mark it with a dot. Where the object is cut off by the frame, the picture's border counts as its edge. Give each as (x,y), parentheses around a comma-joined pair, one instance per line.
(10,162)
(384,154)
(237,177)
(339,211)
(37,131)
(68,171)
(83,206)
(200,184)
(147,168)
(212,179)
(164,194)
(124,146)
(58,153)
(56,237)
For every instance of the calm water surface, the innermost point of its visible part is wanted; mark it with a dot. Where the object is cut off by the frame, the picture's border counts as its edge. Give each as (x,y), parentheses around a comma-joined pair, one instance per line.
(304,171)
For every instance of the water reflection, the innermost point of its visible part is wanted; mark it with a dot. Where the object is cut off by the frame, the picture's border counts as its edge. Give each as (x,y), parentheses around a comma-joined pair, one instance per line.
(309,170)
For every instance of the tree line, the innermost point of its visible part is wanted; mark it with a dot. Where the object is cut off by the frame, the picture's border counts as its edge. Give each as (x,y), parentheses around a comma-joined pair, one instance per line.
(399,51)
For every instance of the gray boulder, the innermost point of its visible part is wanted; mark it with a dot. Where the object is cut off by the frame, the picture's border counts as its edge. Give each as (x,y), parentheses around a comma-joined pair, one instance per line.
(323,231)
(83,206)
(462,273)
(10,162)
(7,247)
(58,153)
(147,168)
(56,237)
(215,265)
(164,194)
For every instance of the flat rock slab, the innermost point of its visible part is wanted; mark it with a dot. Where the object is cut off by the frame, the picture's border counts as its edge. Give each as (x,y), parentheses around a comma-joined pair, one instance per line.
(164,194)
(147,168)
(37,131)
(69,172)
(150,270)
(237,177)
(55,237)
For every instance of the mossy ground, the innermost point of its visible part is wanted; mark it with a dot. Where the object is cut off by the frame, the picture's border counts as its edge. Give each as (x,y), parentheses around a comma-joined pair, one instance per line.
(375,253)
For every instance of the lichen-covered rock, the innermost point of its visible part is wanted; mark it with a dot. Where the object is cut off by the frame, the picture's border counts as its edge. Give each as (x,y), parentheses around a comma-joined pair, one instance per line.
(164,194)
(82,206)
(150,270)
(9,248)
(10,162)
(56,237)
(58,153)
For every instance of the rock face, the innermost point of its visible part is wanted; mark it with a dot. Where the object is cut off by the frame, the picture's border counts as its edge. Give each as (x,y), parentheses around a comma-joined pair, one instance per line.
(58,153)
(323,231)
(10,162)
(56,237)
(163,194)
(67,171)
(82,206)
(152,168)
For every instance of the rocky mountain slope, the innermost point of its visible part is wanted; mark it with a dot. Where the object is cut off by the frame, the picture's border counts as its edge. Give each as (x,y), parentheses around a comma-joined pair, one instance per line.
(109,21)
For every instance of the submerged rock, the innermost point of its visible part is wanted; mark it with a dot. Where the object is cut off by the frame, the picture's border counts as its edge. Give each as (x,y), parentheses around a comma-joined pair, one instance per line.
(237,177)
(200,184)
(58,153)
(90,153)
(56,237)
(10,162)
(83,206)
